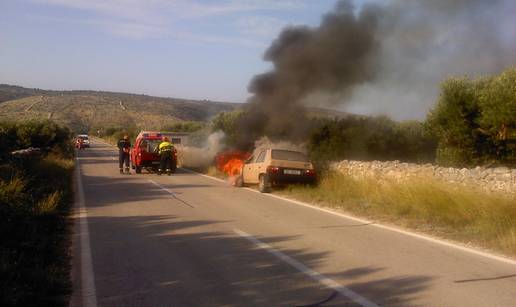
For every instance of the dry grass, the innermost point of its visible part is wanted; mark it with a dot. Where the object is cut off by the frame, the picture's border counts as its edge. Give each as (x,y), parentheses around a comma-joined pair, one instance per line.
(34,232)
(457,213)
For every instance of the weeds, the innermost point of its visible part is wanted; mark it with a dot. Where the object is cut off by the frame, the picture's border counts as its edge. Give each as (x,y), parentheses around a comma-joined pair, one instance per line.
(35,197)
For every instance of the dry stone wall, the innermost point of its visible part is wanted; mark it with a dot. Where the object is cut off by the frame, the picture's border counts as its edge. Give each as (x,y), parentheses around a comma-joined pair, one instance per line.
(499,179)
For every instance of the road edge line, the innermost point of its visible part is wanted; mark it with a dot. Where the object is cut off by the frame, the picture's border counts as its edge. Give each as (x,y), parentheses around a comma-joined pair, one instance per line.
(328,282)
(88,290)
(428,238)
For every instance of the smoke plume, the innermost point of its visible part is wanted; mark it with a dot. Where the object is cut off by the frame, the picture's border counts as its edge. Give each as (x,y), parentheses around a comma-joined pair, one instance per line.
(203,156)
(379,58)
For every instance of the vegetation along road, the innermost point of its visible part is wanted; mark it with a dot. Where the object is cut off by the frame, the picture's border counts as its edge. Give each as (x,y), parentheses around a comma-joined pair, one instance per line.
(189,240)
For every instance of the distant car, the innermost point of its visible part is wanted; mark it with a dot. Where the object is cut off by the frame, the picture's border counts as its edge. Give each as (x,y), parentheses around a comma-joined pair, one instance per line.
(144,153)
(276,167)
(85,140)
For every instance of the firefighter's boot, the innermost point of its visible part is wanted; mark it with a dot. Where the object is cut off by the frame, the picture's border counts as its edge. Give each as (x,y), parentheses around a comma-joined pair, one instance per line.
(159,172)
(169,171)
(127,170)
(121,171)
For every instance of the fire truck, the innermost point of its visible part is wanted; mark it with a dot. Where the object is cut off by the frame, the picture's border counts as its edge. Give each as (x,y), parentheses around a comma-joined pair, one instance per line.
(144,153)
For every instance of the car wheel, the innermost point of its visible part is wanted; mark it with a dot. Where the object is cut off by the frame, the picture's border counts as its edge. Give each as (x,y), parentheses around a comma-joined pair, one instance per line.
(239,181)
(264,184)
(138,169)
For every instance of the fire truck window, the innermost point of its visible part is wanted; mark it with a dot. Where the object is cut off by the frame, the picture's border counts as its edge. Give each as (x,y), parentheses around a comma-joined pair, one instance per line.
(153,145)
(261,157)
(144,145)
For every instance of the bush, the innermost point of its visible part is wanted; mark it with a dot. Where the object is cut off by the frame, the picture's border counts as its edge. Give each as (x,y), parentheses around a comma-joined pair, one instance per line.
(475,121)
(188,126)
(370,138)
(35,196)
(46,135)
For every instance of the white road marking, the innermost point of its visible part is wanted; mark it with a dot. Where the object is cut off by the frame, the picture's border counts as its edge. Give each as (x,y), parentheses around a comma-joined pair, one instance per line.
(328,282)
(170,192)
(89,293)
(374,224)
(160,186)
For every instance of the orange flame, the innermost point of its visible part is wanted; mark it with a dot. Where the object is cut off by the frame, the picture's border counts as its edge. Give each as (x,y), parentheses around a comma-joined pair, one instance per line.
(226,160)
(233,167)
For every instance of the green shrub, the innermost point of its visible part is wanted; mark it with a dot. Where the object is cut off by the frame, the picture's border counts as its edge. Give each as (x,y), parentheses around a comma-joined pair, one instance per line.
(475,121)
(187,126)
(35,197)
(370,138)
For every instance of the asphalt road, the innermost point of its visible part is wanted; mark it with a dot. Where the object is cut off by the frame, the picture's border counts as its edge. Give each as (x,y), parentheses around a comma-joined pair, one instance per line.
(188,240)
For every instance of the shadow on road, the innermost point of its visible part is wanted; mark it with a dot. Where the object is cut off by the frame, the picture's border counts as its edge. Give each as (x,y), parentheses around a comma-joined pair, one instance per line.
(151,259)
(169,261)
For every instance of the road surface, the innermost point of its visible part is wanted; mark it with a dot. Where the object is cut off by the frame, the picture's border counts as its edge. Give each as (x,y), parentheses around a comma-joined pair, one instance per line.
(188,240)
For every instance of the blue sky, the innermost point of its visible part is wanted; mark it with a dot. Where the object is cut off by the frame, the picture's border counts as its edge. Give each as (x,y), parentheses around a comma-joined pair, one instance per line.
(179,48)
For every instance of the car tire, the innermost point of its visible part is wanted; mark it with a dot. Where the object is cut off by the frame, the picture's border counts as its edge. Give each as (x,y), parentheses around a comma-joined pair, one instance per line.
(239,181)
(138,169)
(264,183)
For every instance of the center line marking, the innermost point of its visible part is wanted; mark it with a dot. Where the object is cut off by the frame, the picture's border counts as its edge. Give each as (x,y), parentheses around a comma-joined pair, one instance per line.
(328,282)
(170,192)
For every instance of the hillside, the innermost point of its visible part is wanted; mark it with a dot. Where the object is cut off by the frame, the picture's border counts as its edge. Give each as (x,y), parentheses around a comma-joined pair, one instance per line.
(12,92)
(83,110)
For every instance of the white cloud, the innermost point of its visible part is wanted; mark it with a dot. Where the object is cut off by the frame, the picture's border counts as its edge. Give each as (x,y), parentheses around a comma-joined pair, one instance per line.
(153,18)
(261,26)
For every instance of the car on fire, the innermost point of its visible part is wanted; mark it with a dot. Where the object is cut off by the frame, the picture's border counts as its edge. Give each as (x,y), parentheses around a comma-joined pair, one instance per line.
(144,153)
(272,167)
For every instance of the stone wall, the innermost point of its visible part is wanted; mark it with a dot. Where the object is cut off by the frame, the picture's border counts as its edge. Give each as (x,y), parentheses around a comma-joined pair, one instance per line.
(499,179)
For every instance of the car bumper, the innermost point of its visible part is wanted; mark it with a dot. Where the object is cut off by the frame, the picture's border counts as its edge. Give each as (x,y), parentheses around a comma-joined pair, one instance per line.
(287,179)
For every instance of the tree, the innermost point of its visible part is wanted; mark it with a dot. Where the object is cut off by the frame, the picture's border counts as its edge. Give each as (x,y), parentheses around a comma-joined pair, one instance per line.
(455,122)
(498,113)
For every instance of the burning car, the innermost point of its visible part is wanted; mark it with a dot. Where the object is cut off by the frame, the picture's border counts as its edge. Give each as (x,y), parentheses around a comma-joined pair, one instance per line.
(275,167)
(144,154)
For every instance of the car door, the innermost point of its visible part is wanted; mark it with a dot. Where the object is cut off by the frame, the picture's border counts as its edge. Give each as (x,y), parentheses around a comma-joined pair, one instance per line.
(248,169)
(253,169)
(259,166)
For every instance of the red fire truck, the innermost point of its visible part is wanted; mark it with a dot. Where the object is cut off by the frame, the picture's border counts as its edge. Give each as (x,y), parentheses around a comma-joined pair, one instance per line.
(144,154)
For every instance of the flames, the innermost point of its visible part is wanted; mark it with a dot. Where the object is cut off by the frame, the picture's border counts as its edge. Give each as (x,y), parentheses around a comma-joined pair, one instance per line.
(233,167)
(231,163)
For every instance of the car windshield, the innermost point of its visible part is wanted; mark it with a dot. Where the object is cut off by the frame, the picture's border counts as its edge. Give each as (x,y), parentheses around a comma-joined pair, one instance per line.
(150,145)
(288,155)
(84,138)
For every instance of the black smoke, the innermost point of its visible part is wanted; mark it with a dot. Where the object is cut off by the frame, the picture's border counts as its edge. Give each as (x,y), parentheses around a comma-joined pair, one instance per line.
(381,57)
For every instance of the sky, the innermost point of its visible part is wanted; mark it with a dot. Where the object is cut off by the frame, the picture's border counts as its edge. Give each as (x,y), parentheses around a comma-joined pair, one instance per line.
(211,49)
(197,49)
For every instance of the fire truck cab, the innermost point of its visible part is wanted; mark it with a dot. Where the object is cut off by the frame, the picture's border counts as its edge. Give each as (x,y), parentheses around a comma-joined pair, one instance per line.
(144,153)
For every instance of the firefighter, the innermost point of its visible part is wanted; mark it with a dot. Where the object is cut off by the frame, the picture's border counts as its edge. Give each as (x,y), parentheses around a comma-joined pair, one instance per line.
(124,146)
(165,149)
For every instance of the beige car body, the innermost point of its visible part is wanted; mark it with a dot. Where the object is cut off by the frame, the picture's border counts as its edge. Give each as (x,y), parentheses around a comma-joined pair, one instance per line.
(257,165)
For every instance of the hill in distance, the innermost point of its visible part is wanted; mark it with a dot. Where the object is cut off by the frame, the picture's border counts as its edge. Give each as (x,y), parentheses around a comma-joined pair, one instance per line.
(84,110)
